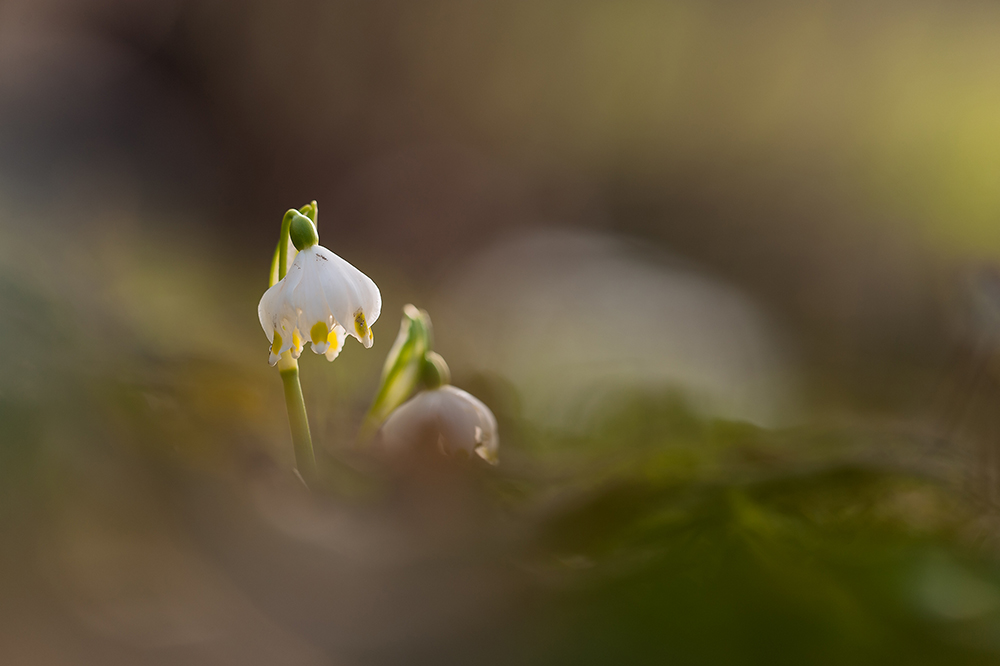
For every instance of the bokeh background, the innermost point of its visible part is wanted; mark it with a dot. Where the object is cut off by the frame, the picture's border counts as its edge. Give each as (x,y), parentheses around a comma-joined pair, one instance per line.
(726,272)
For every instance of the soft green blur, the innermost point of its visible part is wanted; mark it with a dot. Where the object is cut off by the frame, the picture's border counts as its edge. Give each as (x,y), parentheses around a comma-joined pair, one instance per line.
(148,495)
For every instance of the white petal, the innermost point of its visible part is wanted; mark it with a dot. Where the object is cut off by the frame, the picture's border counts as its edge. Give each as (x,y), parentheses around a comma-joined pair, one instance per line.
(411,425)
(349,292)
(461,420)
(276,315)
(308,299)
(333,344)
(337,335)
(266,308)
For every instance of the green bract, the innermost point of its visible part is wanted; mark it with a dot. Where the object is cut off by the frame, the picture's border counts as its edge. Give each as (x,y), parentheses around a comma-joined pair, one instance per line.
(404,366)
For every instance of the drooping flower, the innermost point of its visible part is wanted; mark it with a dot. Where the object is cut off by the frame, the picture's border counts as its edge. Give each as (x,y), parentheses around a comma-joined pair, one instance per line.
(446,418)
(321,300)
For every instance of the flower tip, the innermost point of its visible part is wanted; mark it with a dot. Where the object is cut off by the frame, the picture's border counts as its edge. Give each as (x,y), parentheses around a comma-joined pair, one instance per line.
(272,358)
(487,454)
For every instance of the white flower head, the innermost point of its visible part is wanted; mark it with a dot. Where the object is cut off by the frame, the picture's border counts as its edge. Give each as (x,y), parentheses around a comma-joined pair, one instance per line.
(321,300)
(448,418)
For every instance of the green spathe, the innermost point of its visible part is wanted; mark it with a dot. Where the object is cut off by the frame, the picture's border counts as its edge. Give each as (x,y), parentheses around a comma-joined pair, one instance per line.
(403,368)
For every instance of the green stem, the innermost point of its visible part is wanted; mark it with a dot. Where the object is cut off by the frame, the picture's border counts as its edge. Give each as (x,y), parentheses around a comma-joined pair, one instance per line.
(288,367)
(286,223)
(305,459)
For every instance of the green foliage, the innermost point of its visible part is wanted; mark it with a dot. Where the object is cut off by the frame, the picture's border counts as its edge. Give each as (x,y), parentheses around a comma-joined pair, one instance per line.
(699,542)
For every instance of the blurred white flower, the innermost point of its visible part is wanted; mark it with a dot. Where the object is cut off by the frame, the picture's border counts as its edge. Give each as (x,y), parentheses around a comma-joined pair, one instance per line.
(687,331)
(321,300)
(448,418)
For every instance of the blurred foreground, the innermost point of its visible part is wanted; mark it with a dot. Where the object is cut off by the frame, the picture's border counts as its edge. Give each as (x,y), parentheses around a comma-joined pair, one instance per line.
(149,514)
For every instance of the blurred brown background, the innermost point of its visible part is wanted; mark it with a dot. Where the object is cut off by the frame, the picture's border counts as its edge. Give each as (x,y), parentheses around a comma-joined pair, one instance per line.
(836,160)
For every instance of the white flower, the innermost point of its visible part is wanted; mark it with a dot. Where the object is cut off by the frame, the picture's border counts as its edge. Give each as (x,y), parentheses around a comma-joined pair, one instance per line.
(321,300)
(447,418)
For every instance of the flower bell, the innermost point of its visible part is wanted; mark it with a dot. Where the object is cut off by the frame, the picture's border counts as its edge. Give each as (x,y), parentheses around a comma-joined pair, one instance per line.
(447,418)
(321,300)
